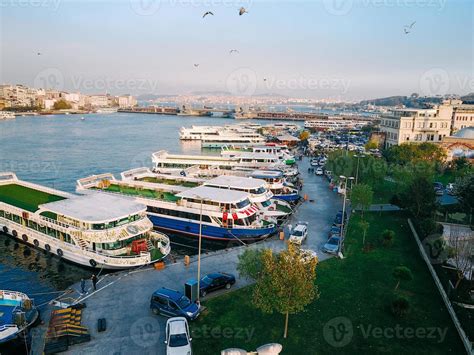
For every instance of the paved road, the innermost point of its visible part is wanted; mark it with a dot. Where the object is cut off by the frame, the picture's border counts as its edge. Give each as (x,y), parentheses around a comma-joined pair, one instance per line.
(123,298)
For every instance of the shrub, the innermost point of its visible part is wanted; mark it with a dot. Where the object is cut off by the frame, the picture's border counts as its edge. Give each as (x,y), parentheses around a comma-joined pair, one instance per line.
(400,306)
(426,226)
(387,237)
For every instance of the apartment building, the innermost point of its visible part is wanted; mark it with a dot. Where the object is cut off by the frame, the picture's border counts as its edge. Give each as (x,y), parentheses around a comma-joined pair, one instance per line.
(414,125)
(462,115)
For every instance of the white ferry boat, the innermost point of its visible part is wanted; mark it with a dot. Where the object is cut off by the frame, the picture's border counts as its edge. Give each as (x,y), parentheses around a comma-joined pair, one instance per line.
(229,217)
(334,123)
(5,115)
(281,152)
(17,314)
(94,230)
(257,189)
(164,162)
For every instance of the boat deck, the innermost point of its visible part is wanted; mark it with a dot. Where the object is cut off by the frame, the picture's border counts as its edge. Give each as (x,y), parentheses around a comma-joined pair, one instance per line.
(147,193)
(24,197)
(156,180)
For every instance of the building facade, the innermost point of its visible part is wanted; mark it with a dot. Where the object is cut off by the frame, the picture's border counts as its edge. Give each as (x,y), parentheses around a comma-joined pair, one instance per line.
(414,126)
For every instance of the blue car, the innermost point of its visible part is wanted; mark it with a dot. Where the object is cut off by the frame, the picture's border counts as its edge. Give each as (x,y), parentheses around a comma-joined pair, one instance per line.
(171,303)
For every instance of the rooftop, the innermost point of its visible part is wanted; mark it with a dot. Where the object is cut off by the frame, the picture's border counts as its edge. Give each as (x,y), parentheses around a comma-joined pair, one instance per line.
(267,173)
(95,207)
(25,197)
(214,194)
(236,181)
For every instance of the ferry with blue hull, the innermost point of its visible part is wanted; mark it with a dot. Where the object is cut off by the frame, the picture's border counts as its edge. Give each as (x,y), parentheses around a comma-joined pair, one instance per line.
(229,217)
(276,182)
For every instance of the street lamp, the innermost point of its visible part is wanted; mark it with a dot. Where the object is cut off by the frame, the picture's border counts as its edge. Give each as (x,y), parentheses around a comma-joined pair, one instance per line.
(358,156)
(350,178)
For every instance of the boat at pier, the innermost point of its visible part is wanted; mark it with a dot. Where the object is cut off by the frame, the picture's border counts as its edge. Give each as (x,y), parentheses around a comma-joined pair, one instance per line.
(94,230)
(17,313)
(229,217)
(257,189)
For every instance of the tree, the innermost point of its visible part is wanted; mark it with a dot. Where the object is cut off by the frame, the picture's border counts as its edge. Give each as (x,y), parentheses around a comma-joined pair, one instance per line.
(250,263)
(465,192)
(361,197)
(62,105)
(286,284)
(387,236)
(364,225)
(304,135)
(402,273)
(406,153)
(419,198)
(460,250)
(400,306)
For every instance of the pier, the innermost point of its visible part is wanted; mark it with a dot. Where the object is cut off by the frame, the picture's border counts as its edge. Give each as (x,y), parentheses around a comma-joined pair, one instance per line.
(123,298)
(200,112)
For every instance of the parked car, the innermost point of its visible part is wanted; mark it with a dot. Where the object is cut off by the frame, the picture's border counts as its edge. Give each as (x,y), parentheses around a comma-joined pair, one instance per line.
(178,339)
(334,231)
(171,303)
(215,281)
(299,233)
(332,245)
(314,162)
(438,185)
(319,171)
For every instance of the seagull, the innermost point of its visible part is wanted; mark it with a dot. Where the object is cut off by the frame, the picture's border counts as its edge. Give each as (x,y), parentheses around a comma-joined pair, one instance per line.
(411,25)
(38,53)
(242,11)
(234,51)
(406,31)
(264,79)
(207,13)
(196,65)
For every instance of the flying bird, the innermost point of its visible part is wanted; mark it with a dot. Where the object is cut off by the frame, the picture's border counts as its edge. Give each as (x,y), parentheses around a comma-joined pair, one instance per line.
(242,11)
(264,79)
(411,25)
(234,51)
(406,31)
(196,65)
(207,13)
(38,53)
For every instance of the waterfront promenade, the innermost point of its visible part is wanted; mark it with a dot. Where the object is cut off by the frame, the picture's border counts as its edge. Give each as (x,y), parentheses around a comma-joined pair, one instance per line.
(123,298)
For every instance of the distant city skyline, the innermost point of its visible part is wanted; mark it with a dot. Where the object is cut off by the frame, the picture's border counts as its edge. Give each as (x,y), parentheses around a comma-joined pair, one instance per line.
(332,49)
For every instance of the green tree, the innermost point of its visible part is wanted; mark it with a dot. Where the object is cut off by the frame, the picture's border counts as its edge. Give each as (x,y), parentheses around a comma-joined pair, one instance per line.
(387,237)
(402,273)
(465,192)
(400,306)
(361,197)
(287,283)
(406,153)
(250,263)
(364,225)
(419,198)
(62,105)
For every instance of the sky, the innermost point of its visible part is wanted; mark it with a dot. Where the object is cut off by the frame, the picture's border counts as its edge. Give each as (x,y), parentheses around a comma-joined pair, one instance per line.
(334,49)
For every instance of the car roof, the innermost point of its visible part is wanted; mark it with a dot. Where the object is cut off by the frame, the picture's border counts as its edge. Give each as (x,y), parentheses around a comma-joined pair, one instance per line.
(171,294)
(177,325)
(214,275)
(300,227)
(333,237)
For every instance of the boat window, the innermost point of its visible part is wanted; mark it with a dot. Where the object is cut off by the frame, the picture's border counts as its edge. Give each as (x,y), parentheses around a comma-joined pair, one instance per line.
(243,203)
(266,203)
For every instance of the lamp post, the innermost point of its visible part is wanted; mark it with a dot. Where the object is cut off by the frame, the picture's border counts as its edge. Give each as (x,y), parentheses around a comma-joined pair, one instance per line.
(358,156)
(343,219)
(199,253)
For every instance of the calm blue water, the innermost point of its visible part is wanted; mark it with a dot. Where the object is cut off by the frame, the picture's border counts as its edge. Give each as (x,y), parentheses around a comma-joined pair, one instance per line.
(56,151)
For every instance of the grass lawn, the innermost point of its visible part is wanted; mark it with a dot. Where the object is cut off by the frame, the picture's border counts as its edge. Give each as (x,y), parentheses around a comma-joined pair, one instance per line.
(358,288)
(25,197)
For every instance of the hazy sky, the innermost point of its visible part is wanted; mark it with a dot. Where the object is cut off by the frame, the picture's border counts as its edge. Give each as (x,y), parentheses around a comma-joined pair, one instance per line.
(348,49)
